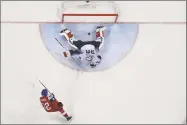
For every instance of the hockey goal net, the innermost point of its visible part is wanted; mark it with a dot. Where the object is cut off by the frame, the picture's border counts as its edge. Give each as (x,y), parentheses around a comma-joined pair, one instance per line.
(89,12)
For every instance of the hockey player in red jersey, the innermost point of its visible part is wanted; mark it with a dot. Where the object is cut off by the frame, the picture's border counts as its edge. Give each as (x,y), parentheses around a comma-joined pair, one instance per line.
(50,104)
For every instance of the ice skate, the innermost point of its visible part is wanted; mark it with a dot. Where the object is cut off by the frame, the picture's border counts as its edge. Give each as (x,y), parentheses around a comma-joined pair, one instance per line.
(69,118)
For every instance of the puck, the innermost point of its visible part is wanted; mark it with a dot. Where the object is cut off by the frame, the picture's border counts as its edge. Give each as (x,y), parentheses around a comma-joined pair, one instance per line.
(88,33)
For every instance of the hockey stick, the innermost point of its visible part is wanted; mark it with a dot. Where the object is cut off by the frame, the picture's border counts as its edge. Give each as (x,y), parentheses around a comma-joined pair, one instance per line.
(59,43)
(43,85)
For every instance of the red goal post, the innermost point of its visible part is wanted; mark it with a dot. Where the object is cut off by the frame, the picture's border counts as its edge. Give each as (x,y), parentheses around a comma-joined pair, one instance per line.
(92,12)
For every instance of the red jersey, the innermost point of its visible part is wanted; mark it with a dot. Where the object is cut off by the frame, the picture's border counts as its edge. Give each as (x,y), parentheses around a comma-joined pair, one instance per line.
(50,106)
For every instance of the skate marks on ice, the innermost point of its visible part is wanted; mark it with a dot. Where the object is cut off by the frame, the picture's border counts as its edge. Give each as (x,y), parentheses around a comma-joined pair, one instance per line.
(119,40)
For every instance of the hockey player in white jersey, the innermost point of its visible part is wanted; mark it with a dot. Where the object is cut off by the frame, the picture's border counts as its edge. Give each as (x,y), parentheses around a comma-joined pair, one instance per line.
(87,50)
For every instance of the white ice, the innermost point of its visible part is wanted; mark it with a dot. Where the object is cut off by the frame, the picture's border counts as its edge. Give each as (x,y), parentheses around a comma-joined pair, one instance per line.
(119,40)
(148,86)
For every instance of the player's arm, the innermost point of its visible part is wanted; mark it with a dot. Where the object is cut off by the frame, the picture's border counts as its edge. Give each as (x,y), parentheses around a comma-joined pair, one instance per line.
(96,61)
(51,97)
(54,102)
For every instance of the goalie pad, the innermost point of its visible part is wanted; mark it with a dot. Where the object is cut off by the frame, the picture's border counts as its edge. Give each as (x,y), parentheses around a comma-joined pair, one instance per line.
(69,37)
(100,31)
(100,35)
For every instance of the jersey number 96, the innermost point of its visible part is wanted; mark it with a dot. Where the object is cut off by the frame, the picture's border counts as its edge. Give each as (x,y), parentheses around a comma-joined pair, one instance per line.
(90,51)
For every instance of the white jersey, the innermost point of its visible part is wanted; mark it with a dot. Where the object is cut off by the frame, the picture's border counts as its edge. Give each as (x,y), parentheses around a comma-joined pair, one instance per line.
(89,55)
(88,52)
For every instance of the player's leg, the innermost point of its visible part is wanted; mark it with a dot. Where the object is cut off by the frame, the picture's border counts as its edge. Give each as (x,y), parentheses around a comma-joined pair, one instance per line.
(68,35)
(79,44)
(68,118)
(100,36)
(100,31)
(76,44)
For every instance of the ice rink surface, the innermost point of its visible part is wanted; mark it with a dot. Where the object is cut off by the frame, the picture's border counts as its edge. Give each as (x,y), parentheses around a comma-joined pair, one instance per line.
(119,40)
(147,86)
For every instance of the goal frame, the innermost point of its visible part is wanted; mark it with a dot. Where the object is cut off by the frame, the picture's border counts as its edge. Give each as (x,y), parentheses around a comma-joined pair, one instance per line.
(114,14)
(77,14)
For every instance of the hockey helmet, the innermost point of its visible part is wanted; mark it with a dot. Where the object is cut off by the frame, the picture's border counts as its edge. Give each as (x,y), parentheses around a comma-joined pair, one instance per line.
(44,92)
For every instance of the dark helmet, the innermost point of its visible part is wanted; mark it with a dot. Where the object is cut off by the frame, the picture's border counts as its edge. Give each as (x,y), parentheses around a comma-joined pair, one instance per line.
(44,92)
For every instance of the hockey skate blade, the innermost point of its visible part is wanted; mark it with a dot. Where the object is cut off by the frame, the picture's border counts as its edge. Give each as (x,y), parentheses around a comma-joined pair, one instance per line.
(70,120)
